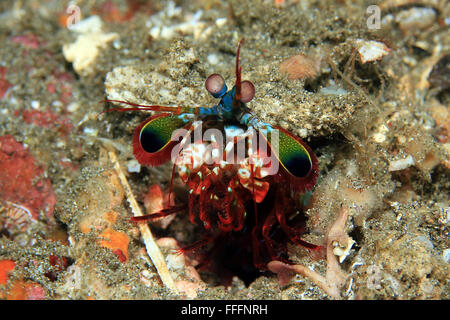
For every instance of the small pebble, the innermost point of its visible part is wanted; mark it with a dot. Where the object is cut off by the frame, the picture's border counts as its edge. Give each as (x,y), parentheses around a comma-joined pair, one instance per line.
(35,104)
(133,166)
(73,107)
(90,131)
(401,164)
(371,50)
(415,19)
(213,59)
(446,255)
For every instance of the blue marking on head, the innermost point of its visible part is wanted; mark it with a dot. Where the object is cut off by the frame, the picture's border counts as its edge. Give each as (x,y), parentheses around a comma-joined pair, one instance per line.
(226,105)
(220,93)
(227,100)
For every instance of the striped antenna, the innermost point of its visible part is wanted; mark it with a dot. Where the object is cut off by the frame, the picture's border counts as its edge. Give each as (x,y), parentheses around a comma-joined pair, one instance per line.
(238,95)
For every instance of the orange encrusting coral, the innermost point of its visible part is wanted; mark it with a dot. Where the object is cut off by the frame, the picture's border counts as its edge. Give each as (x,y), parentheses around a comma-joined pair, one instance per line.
(279,2)
(6,266)
(22,290)
(117,242)
(111,216)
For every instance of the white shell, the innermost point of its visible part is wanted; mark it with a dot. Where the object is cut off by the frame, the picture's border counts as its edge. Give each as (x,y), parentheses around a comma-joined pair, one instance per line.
(401,164)
(371,50)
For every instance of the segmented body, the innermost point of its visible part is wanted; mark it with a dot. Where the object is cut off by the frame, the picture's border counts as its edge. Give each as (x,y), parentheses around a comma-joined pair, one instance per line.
(249,195)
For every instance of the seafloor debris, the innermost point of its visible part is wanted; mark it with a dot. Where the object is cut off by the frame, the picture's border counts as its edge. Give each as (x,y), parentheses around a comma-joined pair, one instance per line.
(335,278)
(91,39)
(110,12)
(415,18)
(401,164)
(161,27)
(150,244)
(155,200)
(4,85)
(186,277)
(300,67)
(15,221)
(371,50)
(439,76)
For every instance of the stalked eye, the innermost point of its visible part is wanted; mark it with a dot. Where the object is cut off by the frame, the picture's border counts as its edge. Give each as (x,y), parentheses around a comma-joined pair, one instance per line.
(215,84)
(247,91)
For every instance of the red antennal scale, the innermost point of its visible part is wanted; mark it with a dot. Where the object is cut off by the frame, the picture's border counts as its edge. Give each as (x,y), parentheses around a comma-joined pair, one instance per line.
(238,94)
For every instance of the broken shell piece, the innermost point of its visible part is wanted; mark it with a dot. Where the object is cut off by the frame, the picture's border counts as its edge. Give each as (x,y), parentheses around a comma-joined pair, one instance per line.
(343,250)
(133,166)
(415,19)
(187,279)
(299,67)
(371,50)
(162,27)
(84,51)
(380,135)
(446,255)
(398,4)
(400,164)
